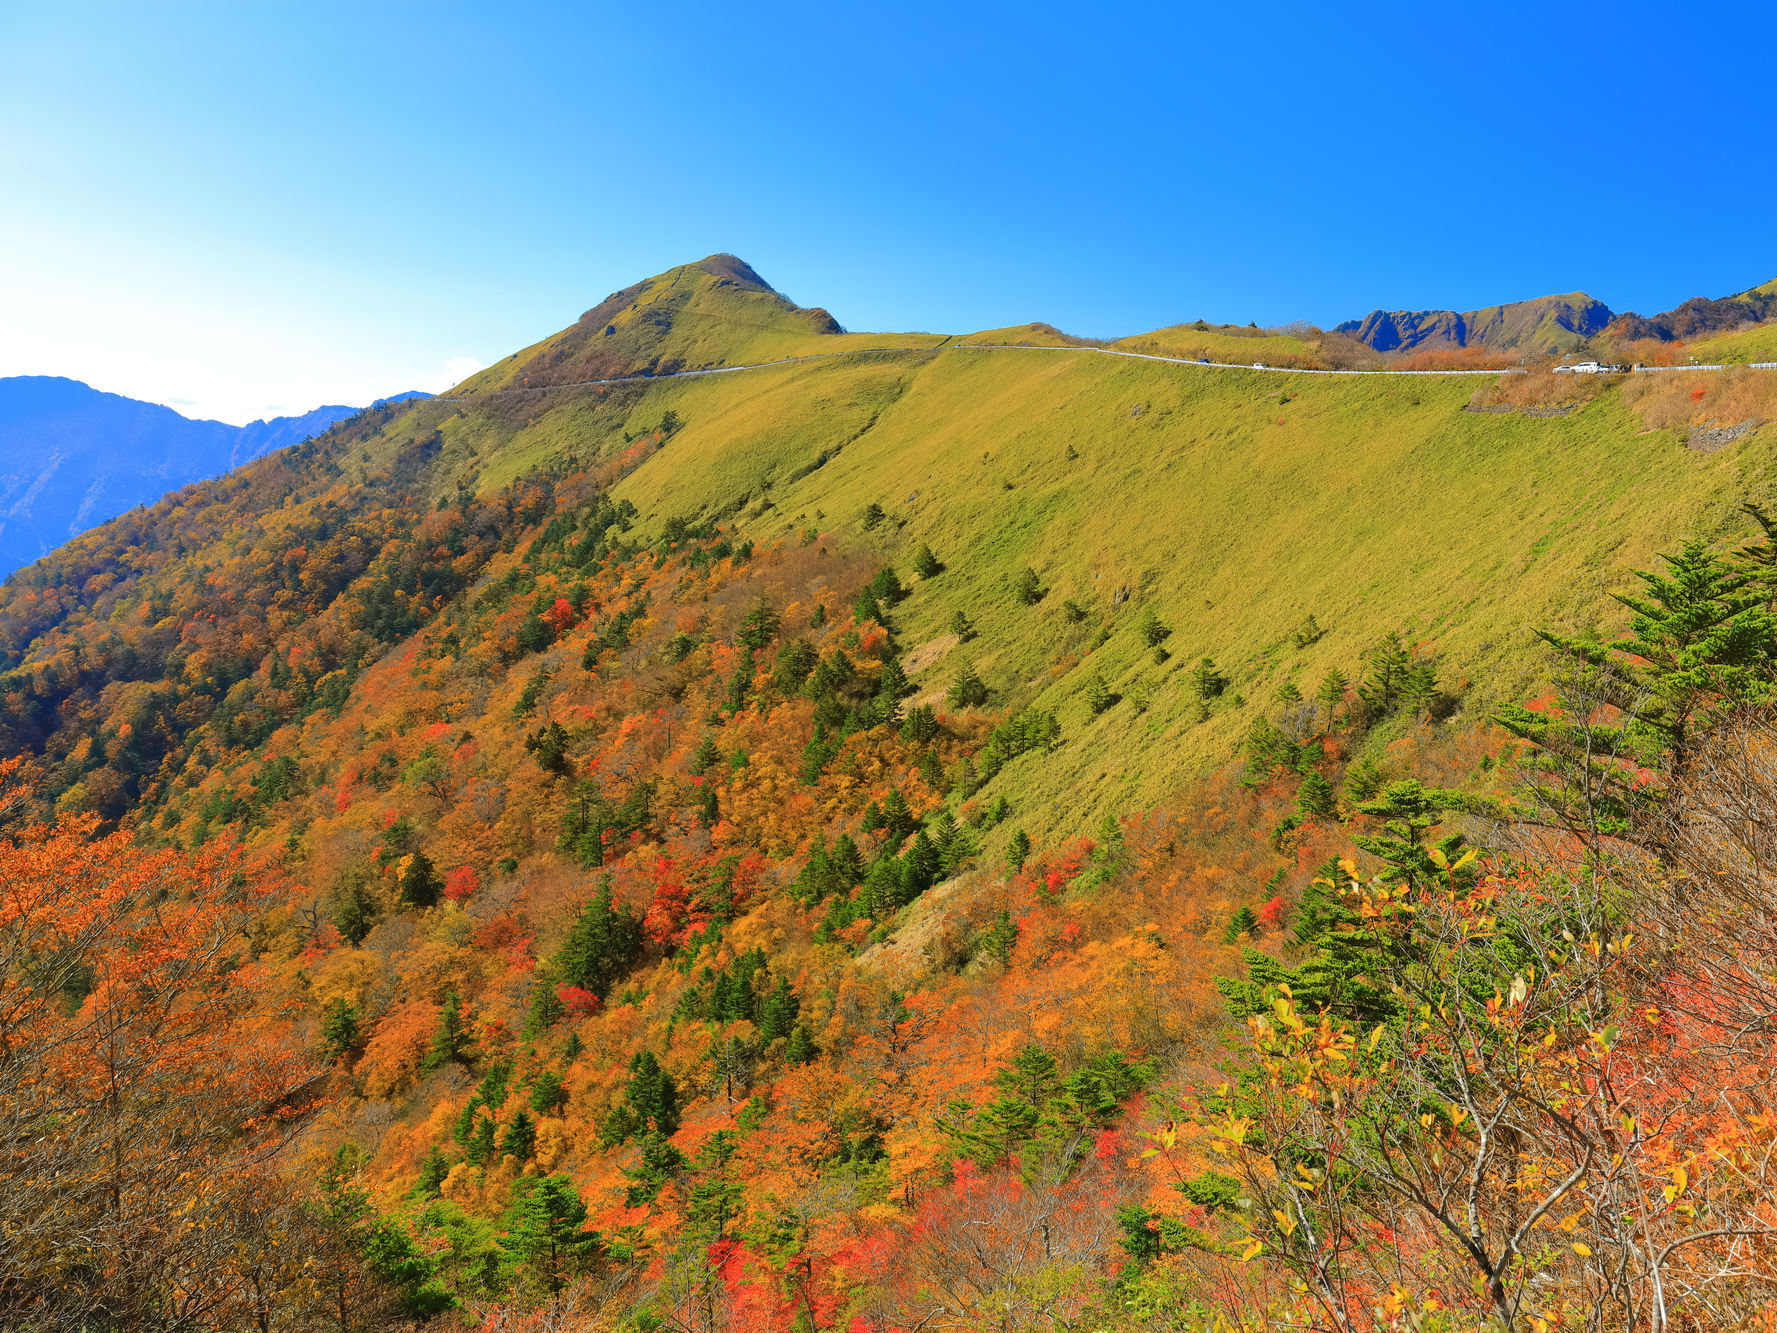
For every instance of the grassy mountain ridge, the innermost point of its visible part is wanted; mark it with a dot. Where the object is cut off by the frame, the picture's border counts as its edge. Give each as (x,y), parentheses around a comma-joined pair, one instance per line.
(1234,516)
(768,850)
(711,313)
(1233,505)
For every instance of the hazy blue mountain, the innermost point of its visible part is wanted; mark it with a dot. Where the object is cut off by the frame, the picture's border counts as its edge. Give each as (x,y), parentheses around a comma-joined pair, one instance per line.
(72,456)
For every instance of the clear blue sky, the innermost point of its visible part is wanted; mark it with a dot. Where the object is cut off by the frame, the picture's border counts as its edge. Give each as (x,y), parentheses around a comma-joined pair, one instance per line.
(248,208)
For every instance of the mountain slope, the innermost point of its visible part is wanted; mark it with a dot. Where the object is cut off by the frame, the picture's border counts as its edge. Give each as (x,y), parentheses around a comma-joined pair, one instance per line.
(1232,511)
(1702,316)
(712,313)
(776,815)
(72,456)
(1543,325)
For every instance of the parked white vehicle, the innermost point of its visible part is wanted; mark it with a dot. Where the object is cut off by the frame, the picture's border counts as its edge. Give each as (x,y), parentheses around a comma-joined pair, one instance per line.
(1584,368)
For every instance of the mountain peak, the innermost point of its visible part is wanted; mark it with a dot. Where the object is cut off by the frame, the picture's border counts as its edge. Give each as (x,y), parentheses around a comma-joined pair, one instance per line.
(734,268)
(1543,324)
(716,311)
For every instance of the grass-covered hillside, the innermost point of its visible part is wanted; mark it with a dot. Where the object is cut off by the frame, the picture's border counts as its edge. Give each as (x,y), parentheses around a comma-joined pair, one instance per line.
(1233,505)
(919,837)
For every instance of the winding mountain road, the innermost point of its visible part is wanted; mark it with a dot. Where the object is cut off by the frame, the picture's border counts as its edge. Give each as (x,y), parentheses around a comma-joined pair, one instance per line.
(1025,347)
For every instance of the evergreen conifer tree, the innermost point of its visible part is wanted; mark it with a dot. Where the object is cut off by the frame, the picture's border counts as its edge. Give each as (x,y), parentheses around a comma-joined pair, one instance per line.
(339,1030)
(1341,951)
(548,1234)
(920,726)
(355,913)
(481,1142)
(652,1096)
(1153,632)
(495,1084)
(740,684)
(886,587)
(1386,667)
(548,1093)
(1244,922)
(420,884)
(796,660)
(968,690)
(998,940)
(800,1049)
(705,756)
(882,888)
(1409,811)
(919,867)
(866,607)
(452,1039)
(434,1167)
(1207,680)
(549,745)
(847,864)
(520,1140)
(897,818)
(778,1015)
(602,945)
(759,627)
(1331,694)
(1098,694)
(1017,850)
(463,1127)
(1314,798)
(545,1009)
(892,682)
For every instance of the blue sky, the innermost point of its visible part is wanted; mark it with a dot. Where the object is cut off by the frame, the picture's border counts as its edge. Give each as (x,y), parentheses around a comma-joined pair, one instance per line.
(247,209)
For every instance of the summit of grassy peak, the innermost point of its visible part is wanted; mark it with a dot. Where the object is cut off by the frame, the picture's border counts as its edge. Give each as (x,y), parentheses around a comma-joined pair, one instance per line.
(716,311)
(734,268)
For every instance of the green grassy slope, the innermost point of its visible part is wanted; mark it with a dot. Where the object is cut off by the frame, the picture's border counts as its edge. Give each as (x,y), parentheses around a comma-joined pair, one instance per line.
(716,312)
(1745,345)
(1233,503)
(1226,343)
(1373,504)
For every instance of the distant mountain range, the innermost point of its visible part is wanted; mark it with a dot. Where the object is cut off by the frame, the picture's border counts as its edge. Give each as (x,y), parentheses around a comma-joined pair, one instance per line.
(1557,324)
(72,456)
(1548,323)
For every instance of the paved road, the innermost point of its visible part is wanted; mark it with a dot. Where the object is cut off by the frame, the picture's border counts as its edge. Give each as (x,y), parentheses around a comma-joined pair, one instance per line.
(1022,347)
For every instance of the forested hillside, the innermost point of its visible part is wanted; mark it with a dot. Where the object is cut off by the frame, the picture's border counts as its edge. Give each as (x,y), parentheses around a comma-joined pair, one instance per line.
(925,837)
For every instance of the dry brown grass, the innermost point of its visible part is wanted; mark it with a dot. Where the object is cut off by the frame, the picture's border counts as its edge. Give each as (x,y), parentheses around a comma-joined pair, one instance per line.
(1456,358)
(1683,399)
(1643,352)
(1540,390)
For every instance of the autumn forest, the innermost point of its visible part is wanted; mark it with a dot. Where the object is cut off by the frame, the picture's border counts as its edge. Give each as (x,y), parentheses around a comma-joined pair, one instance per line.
(566,857)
